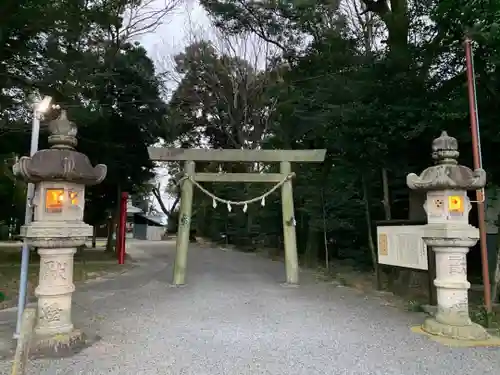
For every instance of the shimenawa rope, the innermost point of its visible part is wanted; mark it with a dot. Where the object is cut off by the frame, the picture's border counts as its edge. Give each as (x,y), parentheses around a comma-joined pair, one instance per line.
(245,203)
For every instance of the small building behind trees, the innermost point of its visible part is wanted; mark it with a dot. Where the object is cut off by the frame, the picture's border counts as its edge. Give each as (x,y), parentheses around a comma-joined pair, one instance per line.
(148,227)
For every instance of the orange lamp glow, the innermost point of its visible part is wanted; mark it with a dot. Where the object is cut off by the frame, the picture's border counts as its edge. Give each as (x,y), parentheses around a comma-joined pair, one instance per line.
(456,203)
(73,197)
(54,200)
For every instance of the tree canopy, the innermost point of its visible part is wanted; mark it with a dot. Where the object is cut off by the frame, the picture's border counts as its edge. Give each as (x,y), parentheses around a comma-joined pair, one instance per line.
(373,82)
(84,56)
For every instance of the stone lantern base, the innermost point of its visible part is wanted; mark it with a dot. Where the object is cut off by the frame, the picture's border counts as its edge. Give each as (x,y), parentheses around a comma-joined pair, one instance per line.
(60,345)
(450,244)
(472,331)
(54,334)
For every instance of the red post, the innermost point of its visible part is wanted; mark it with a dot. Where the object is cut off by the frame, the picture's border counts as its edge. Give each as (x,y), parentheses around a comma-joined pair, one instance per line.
(122,230)
(476,154)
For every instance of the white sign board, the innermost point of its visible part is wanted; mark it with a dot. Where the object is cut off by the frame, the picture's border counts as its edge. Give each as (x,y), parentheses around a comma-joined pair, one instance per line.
(402,246)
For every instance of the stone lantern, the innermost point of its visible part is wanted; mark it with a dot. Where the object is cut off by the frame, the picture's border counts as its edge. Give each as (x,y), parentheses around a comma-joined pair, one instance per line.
(59,175)
(449,234)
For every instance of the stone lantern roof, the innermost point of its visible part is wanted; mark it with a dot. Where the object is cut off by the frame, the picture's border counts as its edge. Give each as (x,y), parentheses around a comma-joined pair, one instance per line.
(61,162)
(447,174)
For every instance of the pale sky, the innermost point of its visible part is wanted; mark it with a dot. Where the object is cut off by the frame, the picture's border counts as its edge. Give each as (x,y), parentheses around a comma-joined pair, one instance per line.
(174,33)
(164,43)
(187,23)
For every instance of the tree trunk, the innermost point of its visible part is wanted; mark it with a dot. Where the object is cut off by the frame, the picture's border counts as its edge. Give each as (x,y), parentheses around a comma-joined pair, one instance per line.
(250,236)
(116,224)
(386,201)
(392,273)
(396,19)
(109,241)
(168,213)
(368,218)
(398,28)
(325,237)
(94,236)
(311,254)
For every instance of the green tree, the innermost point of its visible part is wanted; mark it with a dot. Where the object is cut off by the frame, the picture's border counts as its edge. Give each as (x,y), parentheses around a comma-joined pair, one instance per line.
(80,54)
(373,85)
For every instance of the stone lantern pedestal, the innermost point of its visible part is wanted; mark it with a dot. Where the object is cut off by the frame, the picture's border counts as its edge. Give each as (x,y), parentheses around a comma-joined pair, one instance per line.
(60,175)
(449,235)
(56,243)
(450,246)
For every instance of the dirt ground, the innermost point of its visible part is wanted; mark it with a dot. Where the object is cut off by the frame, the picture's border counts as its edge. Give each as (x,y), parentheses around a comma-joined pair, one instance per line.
(413,297)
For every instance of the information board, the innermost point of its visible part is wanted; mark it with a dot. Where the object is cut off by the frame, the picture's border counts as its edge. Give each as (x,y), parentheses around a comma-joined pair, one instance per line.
(402,246)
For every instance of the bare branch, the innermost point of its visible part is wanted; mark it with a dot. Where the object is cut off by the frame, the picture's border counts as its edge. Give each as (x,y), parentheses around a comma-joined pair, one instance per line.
(166,211)
(226,89)
(259,29)
(146,17)
(363,25)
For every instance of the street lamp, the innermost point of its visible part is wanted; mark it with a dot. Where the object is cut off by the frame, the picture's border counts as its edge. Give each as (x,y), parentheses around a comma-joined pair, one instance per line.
(42,106)
(39,108)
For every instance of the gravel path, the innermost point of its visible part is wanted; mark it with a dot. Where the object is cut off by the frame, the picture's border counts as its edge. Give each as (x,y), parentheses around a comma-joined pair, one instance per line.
(234,318)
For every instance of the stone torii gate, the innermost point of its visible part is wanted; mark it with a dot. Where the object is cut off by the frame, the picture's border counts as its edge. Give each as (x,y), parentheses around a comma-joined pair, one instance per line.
(282,179)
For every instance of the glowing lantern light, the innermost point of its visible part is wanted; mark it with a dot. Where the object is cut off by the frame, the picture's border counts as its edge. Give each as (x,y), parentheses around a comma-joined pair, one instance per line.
(54,200)
(73,197)
(456,203)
